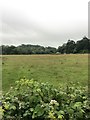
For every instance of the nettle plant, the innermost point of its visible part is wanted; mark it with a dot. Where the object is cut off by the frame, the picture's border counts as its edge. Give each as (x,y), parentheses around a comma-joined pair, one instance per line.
(32,100)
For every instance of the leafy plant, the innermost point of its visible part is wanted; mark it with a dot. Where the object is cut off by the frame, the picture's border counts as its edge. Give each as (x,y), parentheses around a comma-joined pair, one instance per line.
(32,100)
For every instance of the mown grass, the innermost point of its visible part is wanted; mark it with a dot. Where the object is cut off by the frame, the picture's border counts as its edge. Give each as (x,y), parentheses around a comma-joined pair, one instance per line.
(54,69)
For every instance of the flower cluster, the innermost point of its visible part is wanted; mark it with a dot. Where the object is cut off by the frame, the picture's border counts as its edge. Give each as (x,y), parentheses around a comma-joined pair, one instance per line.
(54,102)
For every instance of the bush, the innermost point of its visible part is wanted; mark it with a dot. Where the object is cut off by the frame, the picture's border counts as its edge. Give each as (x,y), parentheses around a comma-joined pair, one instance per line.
(31,100)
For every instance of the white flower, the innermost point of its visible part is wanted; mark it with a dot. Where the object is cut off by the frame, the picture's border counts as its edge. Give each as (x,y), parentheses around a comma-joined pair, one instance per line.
(54,102)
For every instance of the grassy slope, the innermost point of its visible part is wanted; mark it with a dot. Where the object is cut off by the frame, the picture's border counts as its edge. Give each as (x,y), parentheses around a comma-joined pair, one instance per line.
(55,69)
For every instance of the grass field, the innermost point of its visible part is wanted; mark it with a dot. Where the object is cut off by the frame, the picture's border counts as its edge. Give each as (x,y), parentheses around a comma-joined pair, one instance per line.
(55,69)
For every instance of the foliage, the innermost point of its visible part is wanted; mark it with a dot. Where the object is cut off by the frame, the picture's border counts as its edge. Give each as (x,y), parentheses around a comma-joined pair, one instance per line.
(81,46)
(27,49)
(31,100)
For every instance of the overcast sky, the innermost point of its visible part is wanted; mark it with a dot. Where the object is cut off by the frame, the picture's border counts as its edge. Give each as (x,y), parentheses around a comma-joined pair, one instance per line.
(43,22)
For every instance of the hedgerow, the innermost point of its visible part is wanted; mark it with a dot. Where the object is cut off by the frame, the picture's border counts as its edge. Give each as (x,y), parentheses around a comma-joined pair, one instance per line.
(32,100)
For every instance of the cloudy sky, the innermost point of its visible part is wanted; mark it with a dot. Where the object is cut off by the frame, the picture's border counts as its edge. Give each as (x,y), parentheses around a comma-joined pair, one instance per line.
(43,22)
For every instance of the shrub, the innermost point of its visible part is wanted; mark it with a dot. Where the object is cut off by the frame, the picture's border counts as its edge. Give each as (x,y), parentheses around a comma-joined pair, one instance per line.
(32,100)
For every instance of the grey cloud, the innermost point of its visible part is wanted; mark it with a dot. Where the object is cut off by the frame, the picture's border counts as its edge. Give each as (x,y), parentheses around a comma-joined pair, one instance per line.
(19,30)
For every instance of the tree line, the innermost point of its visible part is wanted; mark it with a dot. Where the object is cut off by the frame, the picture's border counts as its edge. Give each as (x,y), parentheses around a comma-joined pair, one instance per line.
(81,46)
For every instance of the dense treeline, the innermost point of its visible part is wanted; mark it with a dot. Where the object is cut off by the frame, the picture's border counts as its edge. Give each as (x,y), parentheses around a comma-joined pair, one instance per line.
(81,46)
(27,49)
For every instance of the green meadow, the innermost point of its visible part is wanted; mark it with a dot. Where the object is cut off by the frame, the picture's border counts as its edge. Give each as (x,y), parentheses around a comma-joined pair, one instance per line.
(58,70)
